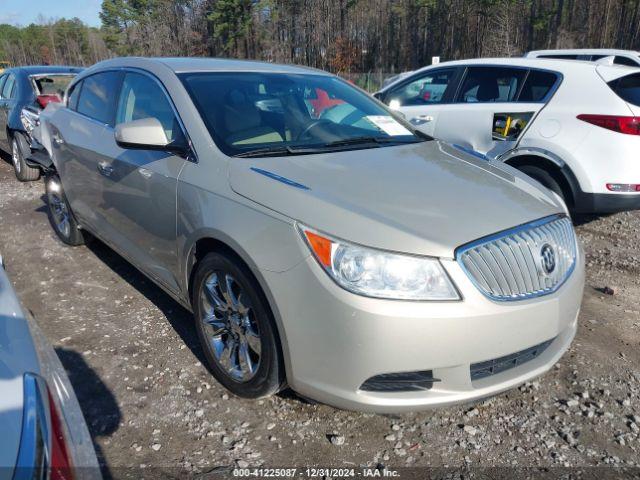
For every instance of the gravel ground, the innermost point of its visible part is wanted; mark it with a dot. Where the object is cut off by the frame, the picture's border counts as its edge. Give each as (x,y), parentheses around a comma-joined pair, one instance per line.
(133,358)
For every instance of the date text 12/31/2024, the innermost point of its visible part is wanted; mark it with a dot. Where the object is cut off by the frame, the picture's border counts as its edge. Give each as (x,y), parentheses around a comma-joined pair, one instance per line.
(315,473)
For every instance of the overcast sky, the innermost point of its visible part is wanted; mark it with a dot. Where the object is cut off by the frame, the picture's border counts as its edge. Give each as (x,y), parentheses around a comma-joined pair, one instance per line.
(24,12)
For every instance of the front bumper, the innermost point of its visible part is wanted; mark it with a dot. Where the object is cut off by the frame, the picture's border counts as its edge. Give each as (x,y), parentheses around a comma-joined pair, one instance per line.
(336,340)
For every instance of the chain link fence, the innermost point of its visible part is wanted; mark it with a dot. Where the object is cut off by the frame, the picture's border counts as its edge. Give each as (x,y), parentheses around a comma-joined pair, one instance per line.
(369,81)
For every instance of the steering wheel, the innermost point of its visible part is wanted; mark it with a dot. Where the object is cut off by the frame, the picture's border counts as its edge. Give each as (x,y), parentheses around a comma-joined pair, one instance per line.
(311,126)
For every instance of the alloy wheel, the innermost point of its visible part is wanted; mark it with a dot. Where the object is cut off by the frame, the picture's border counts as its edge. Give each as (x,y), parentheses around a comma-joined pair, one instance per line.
(15,156)
(60,213)
(229,321)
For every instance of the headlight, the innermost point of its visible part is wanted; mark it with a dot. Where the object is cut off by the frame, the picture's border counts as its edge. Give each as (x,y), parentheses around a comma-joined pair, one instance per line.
(380,274)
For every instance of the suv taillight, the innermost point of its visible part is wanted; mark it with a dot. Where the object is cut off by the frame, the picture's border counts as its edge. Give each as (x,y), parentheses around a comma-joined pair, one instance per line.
(616,123)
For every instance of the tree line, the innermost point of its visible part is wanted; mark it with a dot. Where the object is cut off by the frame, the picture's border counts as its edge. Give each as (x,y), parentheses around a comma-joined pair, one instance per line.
(336,35)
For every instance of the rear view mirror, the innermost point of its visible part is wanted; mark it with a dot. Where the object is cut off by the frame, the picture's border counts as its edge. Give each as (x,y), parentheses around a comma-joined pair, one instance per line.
(145,134)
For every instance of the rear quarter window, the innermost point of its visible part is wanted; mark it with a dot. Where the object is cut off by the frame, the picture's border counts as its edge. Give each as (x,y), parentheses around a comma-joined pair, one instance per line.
(537,86)
(627,88)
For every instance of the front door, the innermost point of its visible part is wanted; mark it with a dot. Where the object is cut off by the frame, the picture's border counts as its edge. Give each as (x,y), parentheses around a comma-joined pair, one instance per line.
(139,199)
(421,97)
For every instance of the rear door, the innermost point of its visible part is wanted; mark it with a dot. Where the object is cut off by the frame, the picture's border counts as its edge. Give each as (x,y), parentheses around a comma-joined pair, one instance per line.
(7,100)
(421,97)
(79,139)
(493,107)
(139,186)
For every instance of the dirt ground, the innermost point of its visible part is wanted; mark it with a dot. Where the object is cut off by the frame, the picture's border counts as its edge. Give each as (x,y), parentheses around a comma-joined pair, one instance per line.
(133,357)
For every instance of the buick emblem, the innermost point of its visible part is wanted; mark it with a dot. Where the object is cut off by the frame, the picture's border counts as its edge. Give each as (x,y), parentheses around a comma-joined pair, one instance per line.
(548,259)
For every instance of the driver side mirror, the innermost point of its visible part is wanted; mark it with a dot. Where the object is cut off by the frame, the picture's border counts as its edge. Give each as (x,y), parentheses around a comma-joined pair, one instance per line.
(146,134)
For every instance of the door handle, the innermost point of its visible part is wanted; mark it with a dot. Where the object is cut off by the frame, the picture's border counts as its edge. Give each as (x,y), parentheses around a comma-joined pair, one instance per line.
(420,119)
(145,173)
(105,169)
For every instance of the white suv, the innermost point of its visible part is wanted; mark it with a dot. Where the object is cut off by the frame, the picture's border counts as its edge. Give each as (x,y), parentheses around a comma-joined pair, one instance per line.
(573,126)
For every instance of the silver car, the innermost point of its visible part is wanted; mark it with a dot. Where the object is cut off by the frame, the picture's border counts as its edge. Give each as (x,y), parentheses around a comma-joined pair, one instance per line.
(320,241)
(43,431)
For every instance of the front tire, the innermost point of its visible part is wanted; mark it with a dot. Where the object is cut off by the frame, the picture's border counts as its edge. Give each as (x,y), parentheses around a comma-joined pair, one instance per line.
(19,151)
(60,215)
(236,328)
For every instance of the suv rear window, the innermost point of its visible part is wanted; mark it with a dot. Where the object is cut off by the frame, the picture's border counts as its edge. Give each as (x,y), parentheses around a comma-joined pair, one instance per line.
(627,88)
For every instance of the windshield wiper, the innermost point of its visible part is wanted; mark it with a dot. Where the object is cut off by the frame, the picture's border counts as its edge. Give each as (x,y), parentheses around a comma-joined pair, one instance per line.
(365,140)
(268,152)
(306,150)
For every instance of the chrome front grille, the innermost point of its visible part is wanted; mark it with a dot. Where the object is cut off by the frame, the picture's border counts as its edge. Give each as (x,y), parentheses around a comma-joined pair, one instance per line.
(527,261)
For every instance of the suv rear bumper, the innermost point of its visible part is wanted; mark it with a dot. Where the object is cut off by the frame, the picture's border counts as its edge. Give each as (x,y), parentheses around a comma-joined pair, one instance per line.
(606,202)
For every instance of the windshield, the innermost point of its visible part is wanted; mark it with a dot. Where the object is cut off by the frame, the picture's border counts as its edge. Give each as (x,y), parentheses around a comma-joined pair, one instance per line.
(261,114)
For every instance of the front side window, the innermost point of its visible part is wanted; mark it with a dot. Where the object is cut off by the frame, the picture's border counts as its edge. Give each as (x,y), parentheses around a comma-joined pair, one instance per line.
(426,90)
(248,112)
(98,96)
(8,88)
(491,84)
(141,97)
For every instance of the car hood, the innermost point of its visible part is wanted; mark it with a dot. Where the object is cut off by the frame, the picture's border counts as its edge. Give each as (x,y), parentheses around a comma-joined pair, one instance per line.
(426,199)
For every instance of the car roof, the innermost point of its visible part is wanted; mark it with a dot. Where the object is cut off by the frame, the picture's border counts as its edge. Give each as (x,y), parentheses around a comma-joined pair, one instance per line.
(205,64)
(585,51)
(564,67)
(44,69)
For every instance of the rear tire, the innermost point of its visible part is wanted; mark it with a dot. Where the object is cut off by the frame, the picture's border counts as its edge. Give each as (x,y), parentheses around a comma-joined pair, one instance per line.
(19,151)
(236,328)
(60,215)
(546,179)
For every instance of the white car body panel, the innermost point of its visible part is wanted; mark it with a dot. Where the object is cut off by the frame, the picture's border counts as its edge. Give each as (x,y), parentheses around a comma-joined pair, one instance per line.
(596,156)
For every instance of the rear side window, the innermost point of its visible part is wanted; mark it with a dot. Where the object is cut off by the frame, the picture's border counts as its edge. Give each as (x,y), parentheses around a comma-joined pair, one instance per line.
(618,60)
(74,94)
(99,95)
(561,57)
(628,88)
(491,84)
(8,89)
(537,86)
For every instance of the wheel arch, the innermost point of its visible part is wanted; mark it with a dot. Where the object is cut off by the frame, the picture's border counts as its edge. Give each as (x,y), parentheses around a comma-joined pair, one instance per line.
(554,166)
(214,241)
